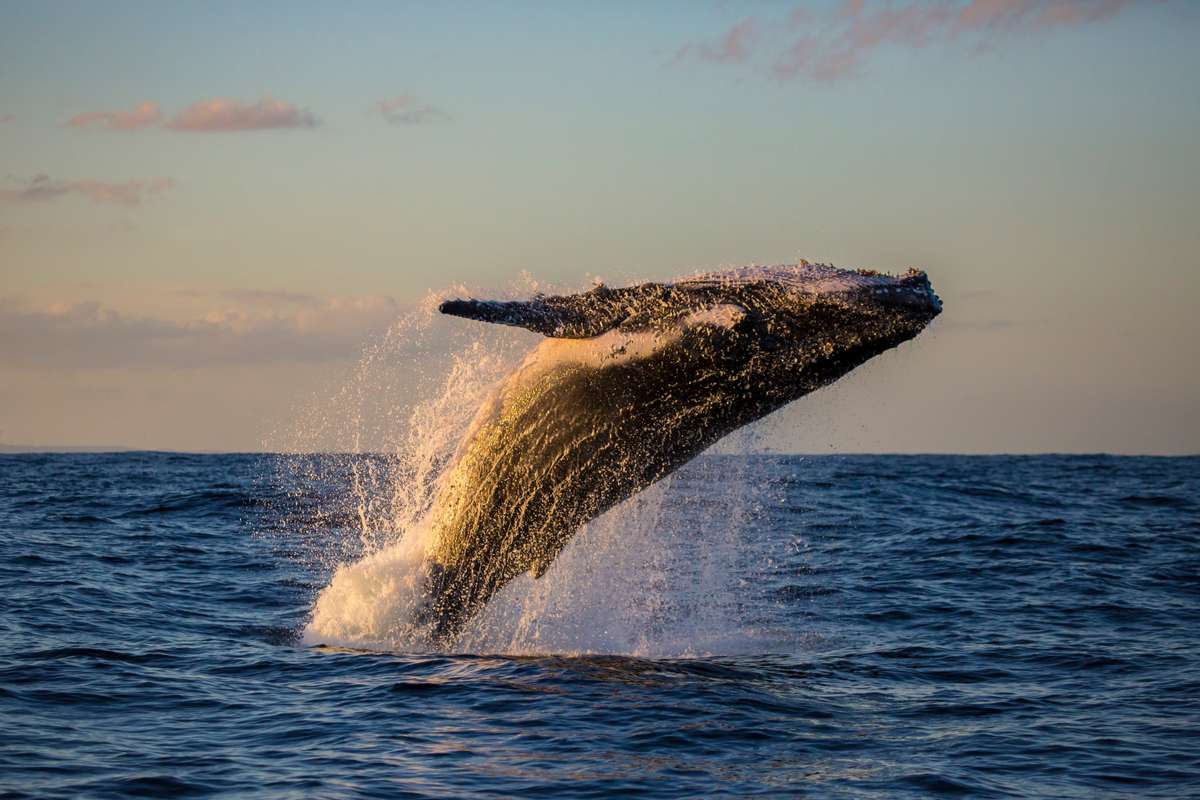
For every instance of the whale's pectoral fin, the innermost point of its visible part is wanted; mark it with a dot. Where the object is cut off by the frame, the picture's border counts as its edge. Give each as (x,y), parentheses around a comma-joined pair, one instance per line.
(576,316)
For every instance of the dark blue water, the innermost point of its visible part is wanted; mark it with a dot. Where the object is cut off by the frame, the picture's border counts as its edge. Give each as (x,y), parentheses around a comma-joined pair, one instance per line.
(990,627)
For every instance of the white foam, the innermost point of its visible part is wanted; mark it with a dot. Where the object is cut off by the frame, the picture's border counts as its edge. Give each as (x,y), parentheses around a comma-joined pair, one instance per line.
(643,579)
(372,602)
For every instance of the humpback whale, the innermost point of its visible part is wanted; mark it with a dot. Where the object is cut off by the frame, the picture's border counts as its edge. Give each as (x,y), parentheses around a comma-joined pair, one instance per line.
(628,385)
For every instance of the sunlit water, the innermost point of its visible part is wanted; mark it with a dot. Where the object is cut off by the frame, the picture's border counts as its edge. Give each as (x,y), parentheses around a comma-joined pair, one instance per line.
(838,626)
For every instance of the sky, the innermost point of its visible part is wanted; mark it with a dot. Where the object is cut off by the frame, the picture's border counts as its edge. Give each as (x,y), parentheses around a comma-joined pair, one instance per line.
(208,209)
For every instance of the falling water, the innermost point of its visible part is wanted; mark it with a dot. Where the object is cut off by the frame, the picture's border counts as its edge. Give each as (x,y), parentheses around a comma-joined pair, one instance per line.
(659,574)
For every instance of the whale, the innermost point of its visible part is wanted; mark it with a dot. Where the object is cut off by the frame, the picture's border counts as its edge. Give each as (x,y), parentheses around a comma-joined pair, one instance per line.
(627,385)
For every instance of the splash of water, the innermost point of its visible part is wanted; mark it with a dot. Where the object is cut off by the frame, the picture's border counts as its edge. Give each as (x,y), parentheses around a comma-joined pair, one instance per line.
(659,574)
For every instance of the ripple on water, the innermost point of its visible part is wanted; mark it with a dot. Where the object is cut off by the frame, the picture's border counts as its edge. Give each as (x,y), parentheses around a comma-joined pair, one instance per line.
(835,626)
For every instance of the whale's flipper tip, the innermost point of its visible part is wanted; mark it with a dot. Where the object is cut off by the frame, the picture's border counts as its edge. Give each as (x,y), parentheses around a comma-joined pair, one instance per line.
(458,308)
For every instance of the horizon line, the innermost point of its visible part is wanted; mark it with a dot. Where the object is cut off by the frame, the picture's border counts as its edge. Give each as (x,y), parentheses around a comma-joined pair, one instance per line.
(11,449)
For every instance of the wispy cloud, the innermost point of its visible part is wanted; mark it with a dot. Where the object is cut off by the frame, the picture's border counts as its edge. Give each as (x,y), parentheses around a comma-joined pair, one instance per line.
(143,115)
(838,44)
(90,335)
(43,188)
(406,109)
(221,115)
(733,46)
(256,297)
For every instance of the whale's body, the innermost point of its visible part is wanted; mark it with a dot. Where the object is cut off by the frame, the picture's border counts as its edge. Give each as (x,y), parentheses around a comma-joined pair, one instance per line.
(629,385)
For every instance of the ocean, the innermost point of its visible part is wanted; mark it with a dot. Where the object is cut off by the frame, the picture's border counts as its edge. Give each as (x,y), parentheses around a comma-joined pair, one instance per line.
(826,626)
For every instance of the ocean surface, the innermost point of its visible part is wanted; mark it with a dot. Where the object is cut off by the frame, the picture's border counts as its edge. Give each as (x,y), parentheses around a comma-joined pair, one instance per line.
(833,626)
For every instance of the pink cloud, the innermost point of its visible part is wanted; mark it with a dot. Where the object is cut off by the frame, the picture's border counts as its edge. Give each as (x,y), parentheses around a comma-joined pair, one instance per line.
(143,115)
(811,57)
(917,25)
(4,118)
(979,14)
(797,58)
(733,46)
(838,44)
(223,115)
(42,188)
(406,109)
(912,25)
(268,297)
(88,335)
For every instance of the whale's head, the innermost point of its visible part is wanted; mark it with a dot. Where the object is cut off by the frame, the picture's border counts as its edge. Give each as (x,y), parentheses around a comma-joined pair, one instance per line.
(791,294)
(805,325)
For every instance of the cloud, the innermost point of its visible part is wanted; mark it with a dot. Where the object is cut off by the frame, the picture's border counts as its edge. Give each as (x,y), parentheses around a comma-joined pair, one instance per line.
(1001,14)
(6,118)
(43,189)
(406,109)
(216,115)
(88,335)
(143,115)
(731,47)
(221,115)
(269,297)
(840,43)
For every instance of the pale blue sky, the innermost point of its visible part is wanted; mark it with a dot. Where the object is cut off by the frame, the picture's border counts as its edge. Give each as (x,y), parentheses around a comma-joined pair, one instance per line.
(1044,174)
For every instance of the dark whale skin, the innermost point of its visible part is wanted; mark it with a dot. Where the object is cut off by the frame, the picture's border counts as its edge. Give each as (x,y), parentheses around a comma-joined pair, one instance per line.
(635,383)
